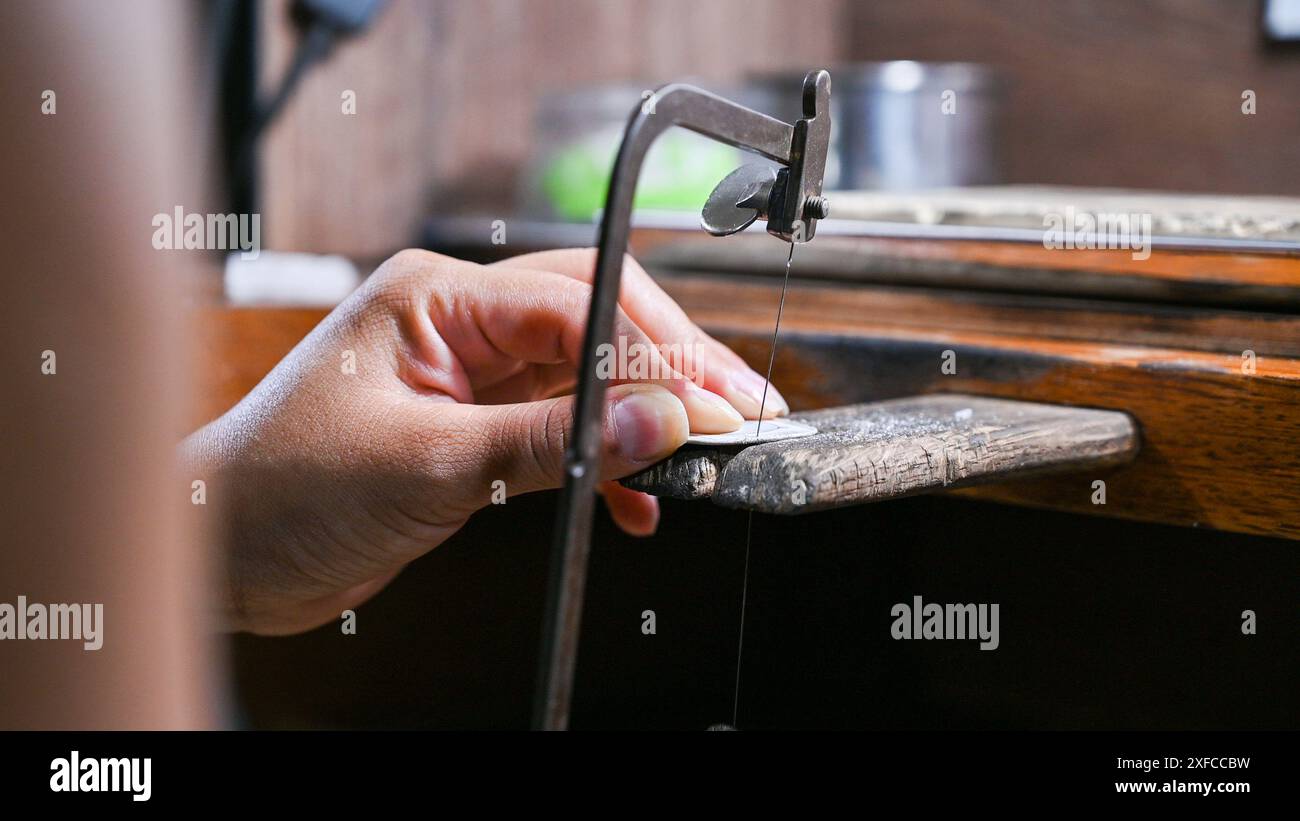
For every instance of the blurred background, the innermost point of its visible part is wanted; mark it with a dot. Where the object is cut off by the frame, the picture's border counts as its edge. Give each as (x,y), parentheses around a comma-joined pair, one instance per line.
(504,107)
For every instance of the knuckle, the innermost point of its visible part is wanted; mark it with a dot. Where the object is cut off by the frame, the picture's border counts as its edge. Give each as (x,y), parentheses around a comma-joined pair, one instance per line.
(515,445)
(411,281)
(546,438)
(415,258)
(407,269)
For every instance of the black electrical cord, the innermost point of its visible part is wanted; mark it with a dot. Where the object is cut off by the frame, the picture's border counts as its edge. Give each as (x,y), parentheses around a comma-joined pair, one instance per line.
(314,45)
(322,23)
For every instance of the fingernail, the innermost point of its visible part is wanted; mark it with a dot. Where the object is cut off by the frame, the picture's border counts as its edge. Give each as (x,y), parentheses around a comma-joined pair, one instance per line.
(708,412)
(749,395)
(649,422)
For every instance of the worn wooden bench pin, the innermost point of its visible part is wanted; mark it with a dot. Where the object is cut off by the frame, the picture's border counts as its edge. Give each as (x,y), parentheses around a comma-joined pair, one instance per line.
(883,450)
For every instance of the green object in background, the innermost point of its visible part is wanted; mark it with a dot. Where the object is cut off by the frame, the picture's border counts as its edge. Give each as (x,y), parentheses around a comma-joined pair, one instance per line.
(678,175)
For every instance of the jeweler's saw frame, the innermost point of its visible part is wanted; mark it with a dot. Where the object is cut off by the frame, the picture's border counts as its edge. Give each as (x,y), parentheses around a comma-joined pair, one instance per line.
(789,199)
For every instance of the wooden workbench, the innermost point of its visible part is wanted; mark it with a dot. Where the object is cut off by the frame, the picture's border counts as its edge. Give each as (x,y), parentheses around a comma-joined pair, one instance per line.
(1201,349)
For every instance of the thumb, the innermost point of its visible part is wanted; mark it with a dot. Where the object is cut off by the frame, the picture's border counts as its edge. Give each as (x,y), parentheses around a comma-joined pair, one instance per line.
(526,442)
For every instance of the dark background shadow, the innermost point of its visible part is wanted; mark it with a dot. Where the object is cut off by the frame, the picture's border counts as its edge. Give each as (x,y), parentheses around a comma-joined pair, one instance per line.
(1104,624)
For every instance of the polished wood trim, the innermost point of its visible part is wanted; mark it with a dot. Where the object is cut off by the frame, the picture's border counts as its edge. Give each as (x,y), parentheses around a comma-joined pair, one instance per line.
(1267,280)
(1180,327)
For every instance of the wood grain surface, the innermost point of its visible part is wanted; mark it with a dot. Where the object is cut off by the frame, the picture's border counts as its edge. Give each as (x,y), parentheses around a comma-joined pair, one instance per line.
(874,451)
(1220,279)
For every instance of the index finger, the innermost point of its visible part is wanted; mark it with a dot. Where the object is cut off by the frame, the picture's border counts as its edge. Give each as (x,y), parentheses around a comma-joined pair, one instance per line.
(654,311)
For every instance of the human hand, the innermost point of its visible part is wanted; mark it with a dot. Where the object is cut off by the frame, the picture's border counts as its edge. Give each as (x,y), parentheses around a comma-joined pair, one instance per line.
(398,416)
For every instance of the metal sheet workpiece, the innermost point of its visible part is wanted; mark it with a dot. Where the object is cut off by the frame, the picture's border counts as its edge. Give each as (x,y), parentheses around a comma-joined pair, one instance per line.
(752,433)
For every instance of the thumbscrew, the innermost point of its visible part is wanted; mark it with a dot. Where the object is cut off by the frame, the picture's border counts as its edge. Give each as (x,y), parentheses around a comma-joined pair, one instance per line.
(816,208)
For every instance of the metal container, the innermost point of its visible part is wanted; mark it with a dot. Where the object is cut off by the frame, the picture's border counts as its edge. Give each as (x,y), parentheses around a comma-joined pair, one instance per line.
(903,125)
